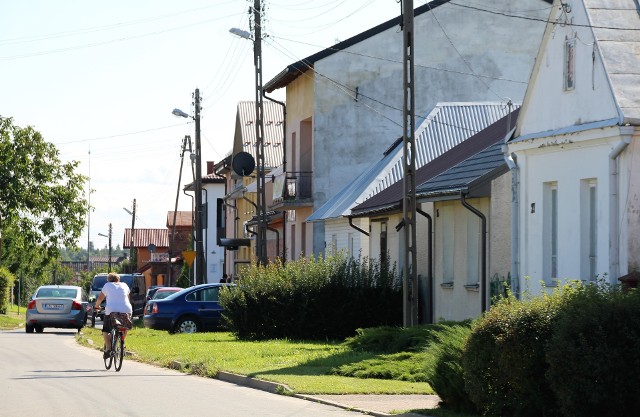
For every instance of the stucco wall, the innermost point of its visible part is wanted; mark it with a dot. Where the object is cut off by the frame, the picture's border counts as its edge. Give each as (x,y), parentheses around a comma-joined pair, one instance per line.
(499,248)
(554,107)
(349,133)
(565,161)
(214,253)
(455,301)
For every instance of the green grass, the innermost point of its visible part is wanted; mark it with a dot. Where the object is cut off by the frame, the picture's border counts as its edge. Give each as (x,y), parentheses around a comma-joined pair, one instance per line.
(12,320)
(307,367)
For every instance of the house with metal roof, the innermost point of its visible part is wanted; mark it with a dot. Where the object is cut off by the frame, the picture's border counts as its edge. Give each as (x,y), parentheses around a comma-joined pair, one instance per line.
(577,149)
(234,230)
(446,126)
(344,103)
(463,224)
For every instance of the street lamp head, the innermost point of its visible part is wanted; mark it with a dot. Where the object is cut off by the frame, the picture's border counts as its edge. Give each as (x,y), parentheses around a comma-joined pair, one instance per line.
(242,33)
(127,210)
(102,234)
(179,113)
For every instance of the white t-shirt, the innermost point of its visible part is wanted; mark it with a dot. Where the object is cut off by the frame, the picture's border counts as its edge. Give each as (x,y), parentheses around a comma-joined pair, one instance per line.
(117,294)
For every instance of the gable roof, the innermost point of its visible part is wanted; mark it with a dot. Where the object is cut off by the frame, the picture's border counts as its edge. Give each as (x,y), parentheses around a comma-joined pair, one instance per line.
(293,71)
(245,136)
(464,175)
(183,218)
(446,126)
(144,237)
(616,27)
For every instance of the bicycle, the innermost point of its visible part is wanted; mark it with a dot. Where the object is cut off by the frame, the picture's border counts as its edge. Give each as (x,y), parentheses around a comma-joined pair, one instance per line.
(116,355)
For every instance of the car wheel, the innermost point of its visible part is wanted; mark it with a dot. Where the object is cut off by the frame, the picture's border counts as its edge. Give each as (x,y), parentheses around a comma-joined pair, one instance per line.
(28,329)
(39,329)
(187,325)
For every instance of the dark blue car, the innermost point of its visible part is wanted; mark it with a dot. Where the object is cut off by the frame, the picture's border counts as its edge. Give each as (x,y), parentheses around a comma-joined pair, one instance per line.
(191,310)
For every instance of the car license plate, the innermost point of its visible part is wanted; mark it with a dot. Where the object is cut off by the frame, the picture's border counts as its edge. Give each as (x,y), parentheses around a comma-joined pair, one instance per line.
(54,306)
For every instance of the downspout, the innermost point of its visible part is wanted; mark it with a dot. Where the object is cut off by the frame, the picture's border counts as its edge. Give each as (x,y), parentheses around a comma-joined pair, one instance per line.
(512,163)
(284,171)
(483,261)
(614,205)
(430,263)
(356,227)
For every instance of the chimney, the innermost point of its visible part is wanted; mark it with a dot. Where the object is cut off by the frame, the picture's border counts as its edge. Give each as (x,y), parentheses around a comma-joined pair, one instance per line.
(209,167)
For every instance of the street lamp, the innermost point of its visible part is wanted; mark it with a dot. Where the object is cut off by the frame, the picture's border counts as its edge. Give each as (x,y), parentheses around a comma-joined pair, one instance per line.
(199,271)
(109,236)
(261,204)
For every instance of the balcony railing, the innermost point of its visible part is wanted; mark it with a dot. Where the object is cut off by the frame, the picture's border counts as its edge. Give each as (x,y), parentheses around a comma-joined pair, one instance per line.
(292,187)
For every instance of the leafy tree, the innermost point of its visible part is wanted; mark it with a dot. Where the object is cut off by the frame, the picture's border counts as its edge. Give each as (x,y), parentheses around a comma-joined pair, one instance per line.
(41,198)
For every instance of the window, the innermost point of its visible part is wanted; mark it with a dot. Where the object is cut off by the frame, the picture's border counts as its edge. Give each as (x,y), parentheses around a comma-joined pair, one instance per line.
(206,294)
(383,243)
(550,230)
(588,228)
(448,246)
(473,249)
(569,64)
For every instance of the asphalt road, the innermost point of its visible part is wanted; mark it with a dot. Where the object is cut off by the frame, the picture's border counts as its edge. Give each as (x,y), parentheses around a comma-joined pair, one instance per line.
(49,374)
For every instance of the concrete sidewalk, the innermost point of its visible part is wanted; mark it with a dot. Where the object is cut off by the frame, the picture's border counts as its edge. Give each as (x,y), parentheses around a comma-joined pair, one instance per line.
(375,405)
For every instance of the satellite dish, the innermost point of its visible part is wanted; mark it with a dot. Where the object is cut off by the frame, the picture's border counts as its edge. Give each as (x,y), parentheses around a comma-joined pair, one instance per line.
(243,164)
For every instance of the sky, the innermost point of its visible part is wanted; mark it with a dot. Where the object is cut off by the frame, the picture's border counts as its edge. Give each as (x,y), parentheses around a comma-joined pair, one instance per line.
(100,80)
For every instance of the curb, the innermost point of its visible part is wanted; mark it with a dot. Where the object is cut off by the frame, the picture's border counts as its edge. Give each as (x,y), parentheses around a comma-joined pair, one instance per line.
(276,388)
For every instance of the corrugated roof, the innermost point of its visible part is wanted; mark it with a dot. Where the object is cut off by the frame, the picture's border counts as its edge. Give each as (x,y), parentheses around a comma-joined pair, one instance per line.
(183,219)
(273,131)
(446,126)
(391,198)
(144,237)
(468,174)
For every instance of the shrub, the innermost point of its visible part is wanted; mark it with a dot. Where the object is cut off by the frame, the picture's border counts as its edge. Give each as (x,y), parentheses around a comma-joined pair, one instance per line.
(6,281)
(593,355)
(446,375)
(504,359)
(312,299)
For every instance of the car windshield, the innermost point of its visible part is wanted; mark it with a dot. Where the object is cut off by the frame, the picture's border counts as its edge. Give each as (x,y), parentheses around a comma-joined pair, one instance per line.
(98,282)
(159,295)
(56,292)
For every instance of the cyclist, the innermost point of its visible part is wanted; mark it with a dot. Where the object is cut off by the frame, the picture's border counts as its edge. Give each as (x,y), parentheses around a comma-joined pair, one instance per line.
(117,295)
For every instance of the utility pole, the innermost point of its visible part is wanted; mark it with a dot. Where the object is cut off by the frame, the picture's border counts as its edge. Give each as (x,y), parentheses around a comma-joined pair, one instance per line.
(261,237)
(410,273)
(187,139)
(110,234)
(200,262)
(132,267)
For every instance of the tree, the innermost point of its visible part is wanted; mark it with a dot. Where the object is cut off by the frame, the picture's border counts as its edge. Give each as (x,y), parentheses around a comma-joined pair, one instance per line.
(42,206)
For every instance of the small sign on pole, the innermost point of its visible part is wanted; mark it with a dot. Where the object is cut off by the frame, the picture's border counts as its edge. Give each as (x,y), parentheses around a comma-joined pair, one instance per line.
(189,256)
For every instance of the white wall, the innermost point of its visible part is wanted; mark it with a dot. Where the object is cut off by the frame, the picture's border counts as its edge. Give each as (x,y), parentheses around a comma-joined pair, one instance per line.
(215,261)
(348,134)
(591,99)
(567,161)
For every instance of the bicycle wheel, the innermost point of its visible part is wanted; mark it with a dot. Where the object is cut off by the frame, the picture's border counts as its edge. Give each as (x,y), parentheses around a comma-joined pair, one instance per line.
(118,351)
(109,359)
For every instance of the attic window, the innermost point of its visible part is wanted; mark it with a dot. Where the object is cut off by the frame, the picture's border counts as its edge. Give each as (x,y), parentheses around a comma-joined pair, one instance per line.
(569,64)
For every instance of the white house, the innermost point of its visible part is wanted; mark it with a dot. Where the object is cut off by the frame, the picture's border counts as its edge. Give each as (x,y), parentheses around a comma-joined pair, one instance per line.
(576,153)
